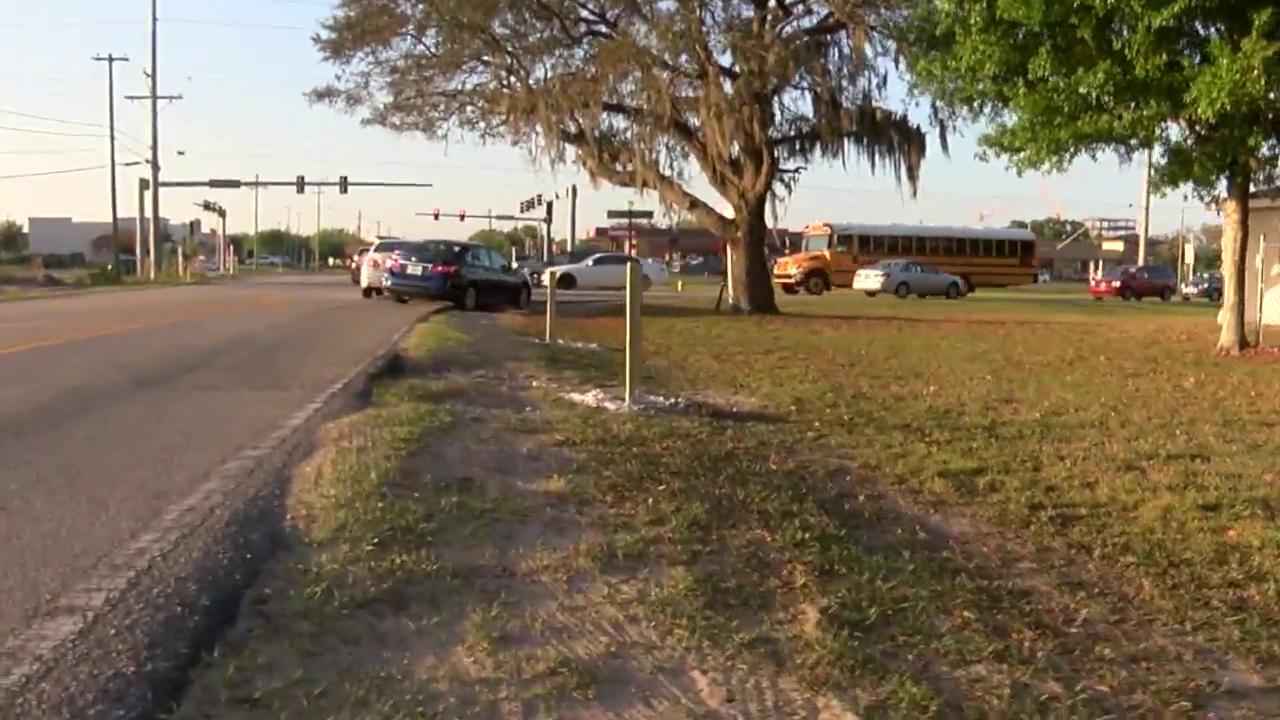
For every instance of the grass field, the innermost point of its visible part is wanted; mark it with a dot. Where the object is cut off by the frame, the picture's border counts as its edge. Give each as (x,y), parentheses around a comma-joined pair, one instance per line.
(1021,503)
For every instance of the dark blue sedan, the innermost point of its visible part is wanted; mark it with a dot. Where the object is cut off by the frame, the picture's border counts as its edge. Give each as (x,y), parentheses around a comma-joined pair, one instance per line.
(463,273)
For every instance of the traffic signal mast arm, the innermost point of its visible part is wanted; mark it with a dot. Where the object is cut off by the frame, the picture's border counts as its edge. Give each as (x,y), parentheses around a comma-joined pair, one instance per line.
(300,181)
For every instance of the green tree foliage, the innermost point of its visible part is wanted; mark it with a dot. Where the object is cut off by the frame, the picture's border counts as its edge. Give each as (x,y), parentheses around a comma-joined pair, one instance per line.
(520,238)
(496,239)
(12,237)
(102,244)
(742,92)
(338,243)
(1050,228)
(1193,81)
(278,242)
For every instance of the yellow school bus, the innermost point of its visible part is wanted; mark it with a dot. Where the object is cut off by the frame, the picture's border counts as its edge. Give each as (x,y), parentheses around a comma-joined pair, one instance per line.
(832,252)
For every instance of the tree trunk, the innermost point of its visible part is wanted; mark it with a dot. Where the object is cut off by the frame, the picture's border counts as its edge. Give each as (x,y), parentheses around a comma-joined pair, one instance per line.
(752,288)
(1235,261)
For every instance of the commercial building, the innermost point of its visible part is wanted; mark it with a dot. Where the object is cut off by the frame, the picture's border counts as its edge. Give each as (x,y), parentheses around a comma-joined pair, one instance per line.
(1262,281)
(64,235)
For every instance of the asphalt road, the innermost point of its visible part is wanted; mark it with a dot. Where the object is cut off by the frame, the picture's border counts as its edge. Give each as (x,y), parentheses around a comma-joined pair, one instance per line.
(114,406)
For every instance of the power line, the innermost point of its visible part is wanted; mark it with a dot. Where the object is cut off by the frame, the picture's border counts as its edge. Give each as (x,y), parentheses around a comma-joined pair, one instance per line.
(47,152)
(49,132)
(49,119)
(53,172)
(235,24)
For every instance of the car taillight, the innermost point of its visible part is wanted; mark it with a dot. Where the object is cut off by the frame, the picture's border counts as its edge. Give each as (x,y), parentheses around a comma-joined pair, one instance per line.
(441,269)
(393,265)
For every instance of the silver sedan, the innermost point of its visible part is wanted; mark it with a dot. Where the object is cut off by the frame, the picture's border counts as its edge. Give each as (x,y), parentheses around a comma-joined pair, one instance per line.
(904,278)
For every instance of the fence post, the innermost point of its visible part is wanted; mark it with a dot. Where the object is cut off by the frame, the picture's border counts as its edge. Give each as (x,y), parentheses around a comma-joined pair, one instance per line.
(635,299)
(549,279)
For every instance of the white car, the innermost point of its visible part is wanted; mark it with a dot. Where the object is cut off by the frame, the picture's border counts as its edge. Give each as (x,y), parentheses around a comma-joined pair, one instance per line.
(606,271)
(270,261)
(373,269)
(907,277)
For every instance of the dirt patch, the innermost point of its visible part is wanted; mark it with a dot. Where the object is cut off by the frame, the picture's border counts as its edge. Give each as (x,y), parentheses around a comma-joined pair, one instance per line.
(487,602)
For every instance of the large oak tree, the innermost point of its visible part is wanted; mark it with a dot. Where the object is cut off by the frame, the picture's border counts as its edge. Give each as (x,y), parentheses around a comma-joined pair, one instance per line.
(1197,82)
(643,94)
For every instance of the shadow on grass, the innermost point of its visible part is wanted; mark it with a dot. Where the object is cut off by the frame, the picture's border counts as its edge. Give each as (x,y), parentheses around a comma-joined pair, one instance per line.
(806,562)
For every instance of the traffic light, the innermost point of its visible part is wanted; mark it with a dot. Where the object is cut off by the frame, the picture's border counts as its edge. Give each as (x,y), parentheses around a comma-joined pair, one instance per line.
(550,204)
(208,206)
(436,214)
(301,185)
(343,186)
(539,200)
(462,216)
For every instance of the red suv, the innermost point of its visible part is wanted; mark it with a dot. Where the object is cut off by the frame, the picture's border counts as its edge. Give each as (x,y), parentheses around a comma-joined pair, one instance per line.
(1131,282)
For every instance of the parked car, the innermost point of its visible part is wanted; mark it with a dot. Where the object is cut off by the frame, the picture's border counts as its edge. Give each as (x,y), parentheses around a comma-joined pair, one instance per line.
(270,261)
(1134,282)
(466,274)
(907,277)
(373,269)
(1203,285)
(606,271)
(355,262)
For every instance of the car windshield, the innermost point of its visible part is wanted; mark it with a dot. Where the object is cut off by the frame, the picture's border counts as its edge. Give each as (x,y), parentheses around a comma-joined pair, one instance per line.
(1118,272)
(817,243)
(884,265)
(390,246)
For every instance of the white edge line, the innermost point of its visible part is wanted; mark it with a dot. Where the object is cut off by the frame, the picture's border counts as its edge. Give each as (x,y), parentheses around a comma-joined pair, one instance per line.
(77,609)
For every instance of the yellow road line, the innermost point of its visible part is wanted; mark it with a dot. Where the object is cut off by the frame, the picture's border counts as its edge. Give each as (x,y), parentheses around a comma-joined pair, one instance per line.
(257,302)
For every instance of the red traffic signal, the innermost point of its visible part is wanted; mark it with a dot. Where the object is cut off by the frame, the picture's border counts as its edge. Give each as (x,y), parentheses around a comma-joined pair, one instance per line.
(462,215)
(436,214)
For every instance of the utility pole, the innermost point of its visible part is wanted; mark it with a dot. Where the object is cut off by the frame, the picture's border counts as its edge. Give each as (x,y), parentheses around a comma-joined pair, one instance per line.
(315,242)
(255,221)
(154,97)
(549,243)
(155,137)
(143,185)
(111,61)
(1144,226)
(573,217)
(378,232)
(360,224)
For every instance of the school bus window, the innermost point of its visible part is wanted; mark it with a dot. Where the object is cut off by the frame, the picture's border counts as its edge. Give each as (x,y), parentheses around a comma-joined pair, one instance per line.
(1026,250)
(846,243)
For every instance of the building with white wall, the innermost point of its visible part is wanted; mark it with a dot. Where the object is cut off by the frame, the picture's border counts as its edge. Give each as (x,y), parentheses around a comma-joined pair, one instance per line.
(63,235)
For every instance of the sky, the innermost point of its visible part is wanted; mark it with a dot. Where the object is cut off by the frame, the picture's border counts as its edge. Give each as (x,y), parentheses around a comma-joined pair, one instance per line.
(243,66)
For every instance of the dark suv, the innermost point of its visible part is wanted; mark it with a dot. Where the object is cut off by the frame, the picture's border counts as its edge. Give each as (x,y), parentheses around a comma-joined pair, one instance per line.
(1203,285)
(1134,282)
(463,273)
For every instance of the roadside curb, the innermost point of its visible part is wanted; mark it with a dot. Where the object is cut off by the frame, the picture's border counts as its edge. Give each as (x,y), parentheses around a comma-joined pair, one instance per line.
(120,644)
